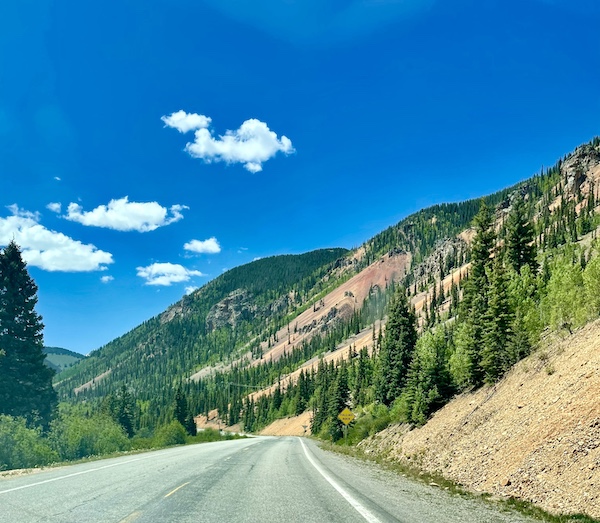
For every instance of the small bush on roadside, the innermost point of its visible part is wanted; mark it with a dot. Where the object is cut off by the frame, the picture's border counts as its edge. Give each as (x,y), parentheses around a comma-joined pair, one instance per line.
(22,447)
(171,434)
(74,436)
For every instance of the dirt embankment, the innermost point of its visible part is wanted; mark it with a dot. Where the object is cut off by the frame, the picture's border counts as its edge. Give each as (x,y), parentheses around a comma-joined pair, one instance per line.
(534,436)
(294,426)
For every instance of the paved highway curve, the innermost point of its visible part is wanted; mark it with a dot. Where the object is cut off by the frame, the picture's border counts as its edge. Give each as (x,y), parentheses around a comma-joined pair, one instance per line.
(250,480)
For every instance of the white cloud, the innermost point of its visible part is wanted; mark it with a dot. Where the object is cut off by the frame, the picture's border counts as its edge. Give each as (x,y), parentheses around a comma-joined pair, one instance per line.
(123,215)
(50,250)
(57,178)
(252,144)
(189,290)
(106,279)
(54,207)
(166,273)
(210,246)
(185,122)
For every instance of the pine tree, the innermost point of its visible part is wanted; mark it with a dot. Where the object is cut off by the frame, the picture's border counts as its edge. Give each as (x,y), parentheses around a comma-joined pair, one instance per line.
(338,400)
(25,381)
(181,407)
(125,410)
(520,248)
(498,323)
(483,243)
(397,350)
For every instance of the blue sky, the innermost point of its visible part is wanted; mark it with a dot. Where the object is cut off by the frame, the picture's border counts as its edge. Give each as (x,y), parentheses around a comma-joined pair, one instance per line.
(148,145)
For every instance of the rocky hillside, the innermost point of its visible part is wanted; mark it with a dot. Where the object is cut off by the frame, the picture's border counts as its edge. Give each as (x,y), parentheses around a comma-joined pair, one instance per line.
(535,435)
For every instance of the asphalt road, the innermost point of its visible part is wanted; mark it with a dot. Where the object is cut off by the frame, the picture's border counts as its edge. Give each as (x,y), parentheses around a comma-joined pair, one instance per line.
(251,480)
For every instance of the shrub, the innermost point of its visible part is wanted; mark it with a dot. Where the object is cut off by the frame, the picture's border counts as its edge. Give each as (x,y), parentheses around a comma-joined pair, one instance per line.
(172,434)
(75,436)
(22,447)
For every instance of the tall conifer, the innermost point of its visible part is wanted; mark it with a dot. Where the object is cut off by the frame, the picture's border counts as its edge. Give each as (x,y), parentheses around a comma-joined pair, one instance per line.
(520,248)
(25,381)
(397,350)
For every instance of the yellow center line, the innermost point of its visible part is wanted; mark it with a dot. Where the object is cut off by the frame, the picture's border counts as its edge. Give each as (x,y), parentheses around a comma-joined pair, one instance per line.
(175,490)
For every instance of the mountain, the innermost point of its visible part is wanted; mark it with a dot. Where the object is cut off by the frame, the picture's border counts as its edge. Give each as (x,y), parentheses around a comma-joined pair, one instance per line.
(61,359)
(255,325)
(231,315)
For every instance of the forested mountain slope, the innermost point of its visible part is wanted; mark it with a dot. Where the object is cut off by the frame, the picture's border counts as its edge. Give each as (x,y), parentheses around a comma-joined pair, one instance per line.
(258,323)
(60,359)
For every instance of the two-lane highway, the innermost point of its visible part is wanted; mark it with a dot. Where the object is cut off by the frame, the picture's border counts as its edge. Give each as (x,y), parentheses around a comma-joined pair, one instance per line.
(249,480)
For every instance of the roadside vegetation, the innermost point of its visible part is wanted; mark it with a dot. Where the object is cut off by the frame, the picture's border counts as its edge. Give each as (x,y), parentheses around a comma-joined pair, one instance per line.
(34,429)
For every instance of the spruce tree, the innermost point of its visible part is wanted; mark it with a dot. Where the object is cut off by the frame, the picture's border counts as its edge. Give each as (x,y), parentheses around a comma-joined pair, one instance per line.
(339,394)
(397,350)
(25,381)
(483,244)
(473,308)
(520,248)
(498,323)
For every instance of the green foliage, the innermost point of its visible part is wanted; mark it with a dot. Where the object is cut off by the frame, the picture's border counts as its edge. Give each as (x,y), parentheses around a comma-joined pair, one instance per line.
(520,247)
(120,408)
(396,351)
(461,362)
(591,281)
(370,419)
(498,328)
(60,359)
(22,447)
(159,353)
(25,382)
(429,385)
(171,434)
(564,305)
(75,436)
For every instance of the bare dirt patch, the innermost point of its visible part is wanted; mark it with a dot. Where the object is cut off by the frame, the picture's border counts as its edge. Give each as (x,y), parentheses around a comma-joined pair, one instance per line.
(534,436)
(340,302)
(294,426)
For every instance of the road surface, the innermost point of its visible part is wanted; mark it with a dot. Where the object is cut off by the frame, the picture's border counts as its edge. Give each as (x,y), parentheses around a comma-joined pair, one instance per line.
(264,479)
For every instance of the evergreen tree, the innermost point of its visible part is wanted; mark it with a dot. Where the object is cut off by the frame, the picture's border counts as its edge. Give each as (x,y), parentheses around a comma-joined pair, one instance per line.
(397,350)
(475,298)
(338,401)
(498,323)
(520,247)
(428,385)
(125,410)
(181,406)
(25,381)
(483,244)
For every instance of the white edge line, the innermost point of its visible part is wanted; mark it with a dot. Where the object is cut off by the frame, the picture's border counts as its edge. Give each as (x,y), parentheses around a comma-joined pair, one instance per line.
(71,475)
(370,517)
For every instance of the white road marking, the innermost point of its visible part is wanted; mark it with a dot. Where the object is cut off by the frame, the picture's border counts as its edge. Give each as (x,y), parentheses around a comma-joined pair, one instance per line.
(73,474)
(369,516)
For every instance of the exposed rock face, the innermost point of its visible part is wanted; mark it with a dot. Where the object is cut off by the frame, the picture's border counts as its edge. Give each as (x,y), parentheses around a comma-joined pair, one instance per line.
(580,167)
(236,307)
(444,257)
